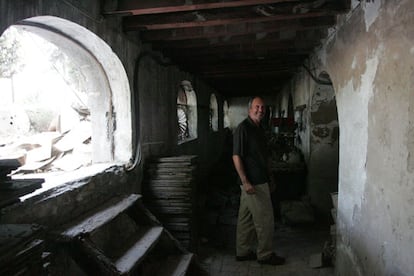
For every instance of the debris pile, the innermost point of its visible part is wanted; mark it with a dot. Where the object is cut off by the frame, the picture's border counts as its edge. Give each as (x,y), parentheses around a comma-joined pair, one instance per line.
(52,150)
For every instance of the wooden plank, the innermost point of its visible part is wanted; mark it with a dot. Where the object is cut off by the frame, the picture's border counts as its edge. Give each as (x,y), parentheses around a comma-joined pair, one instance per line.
(137,252)
(158,8)
(174,219)
(100,261)
(171,165)
(77,135)
(171,210)
(100,218)
(175,185)
(166,189)
(177,226)
(167,181)
(224,31)
(171,202)
(171,177)
(11,190)
(190,159)
(169,169)
(235,17)
(176,265)
(167,196)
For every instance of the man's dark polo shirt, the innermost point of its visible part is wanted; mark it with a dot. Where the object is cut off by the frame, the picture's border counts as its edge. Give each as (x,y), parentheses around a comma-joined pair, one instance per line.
(249,142)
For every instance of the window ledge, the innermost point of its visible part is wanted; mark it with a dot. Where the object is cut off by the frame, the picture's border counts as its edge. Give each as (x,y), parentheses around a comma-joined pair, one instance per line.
(58,182)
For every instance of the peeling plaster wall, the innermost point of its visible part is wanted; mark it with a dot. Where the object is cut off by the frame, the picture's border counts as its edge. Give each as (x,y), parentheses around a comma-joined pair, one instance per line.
(324,143)
(318,138)
(369,58)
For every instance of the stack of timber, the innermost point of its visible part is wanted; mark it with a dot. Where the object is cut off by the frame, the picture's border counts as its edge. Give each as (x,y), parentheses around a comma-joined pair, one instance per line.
(22,250)
(169,192)
(12,189)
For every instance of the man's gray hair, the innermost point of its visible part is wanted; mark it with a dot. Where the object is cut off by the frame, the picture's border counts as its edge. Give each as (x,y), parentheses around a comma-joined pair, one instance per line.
(251,101)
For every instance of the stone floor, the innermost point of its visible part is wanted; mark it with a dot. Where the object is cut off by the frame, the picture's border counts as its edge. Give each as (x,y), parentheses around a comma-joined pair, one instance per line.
(296,244)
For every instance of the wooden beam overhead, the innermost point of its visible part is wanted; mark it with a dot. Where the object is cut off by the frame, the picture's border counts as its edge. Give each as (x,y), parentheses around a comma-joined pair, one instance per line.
(132,23)
(235,30)
(208,63)
(239,47)
(160,7)
(245,48)
(254,67)
(242,42)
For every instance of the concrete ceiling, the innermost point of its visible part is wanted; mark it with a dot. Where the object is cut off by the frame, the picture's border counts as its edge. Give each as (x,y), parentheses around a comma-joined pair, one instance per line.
(239,47)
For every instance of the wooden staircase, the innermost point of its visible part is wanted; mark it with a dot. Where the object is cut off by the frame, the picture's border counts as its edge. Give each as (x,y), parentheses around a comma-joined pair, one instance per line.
(124,238)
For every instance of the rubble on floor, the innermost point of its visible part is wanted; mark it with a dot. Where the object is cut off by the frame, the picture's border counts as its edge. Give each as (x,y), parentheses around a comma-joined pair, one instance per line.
(51,150)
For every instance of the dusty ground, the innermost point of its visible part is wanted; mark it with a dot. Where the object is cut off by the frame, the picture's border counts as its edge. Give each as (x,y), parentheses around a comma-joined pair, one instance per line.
(296,244)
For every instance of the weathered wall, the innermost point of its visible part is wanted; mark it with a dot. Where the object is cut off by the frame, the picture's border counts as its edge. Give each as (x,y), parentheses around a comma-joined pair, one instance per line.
(324,148)
(369,58)
(317,134)
(158,83)
(154,87)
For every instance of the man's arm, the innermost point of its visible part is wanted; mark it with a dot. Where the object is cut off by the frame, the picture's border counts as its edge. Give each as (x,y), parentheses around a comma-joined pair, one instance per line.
(238,164)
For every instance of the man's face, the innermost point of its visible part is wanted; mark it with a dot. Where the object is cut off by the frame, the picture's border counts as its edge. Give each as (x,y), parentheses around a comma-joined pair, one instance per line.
(257,110)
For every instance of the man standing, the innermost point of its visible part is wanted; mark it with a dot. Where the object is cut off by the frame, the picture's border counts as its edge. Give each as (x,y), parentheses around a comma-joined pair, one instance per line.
(255,219)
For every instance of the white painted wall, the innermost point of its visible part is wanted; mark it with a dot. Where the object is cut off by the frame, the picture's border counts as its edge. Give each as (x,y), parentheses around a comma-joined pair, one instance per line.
(370,59)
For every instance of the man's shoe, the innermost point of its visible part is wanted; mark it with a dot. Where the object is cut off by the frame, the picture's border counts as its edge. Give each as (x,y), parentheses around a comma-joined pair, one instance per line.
(272,260)
(249,257)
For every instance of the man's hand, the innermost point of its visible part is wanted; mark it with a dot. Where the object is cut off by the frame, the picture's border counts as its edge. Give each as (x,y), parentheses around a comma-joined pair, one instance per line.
(238,164)
(248,188)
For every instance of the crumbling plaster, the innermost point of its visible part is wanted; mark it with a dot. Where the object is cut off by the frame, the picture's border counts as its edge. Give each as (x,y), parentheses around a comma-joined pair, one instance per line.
(369,59)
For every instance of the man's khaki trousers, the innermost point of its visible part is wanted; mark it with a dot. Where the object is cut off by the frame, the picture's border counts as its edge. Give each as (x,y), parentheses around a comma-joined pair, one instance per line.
(255,221)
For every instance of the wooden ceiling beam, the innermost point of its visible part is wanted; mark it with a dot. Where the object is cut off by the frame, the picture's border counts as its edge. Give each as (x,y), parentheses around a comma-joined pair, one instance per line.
(243,42)
(134,23)
(246,68)
(159,7)
(199,63)
(231,50)
(236,30)
(249,75)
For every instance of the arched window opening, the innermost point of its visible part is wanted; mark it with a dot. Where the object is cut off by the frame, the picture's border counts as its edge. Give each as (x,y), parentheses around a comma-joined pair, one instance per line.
(226,118)
(183,133)
(213,113)
(186,113)
(62,107)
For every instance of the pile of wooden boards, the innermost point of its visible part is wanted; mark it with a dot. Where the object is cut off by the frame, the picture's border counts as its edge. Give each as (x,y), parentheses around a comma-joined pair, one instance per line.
(12,189)
(22,250)
(169,191)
